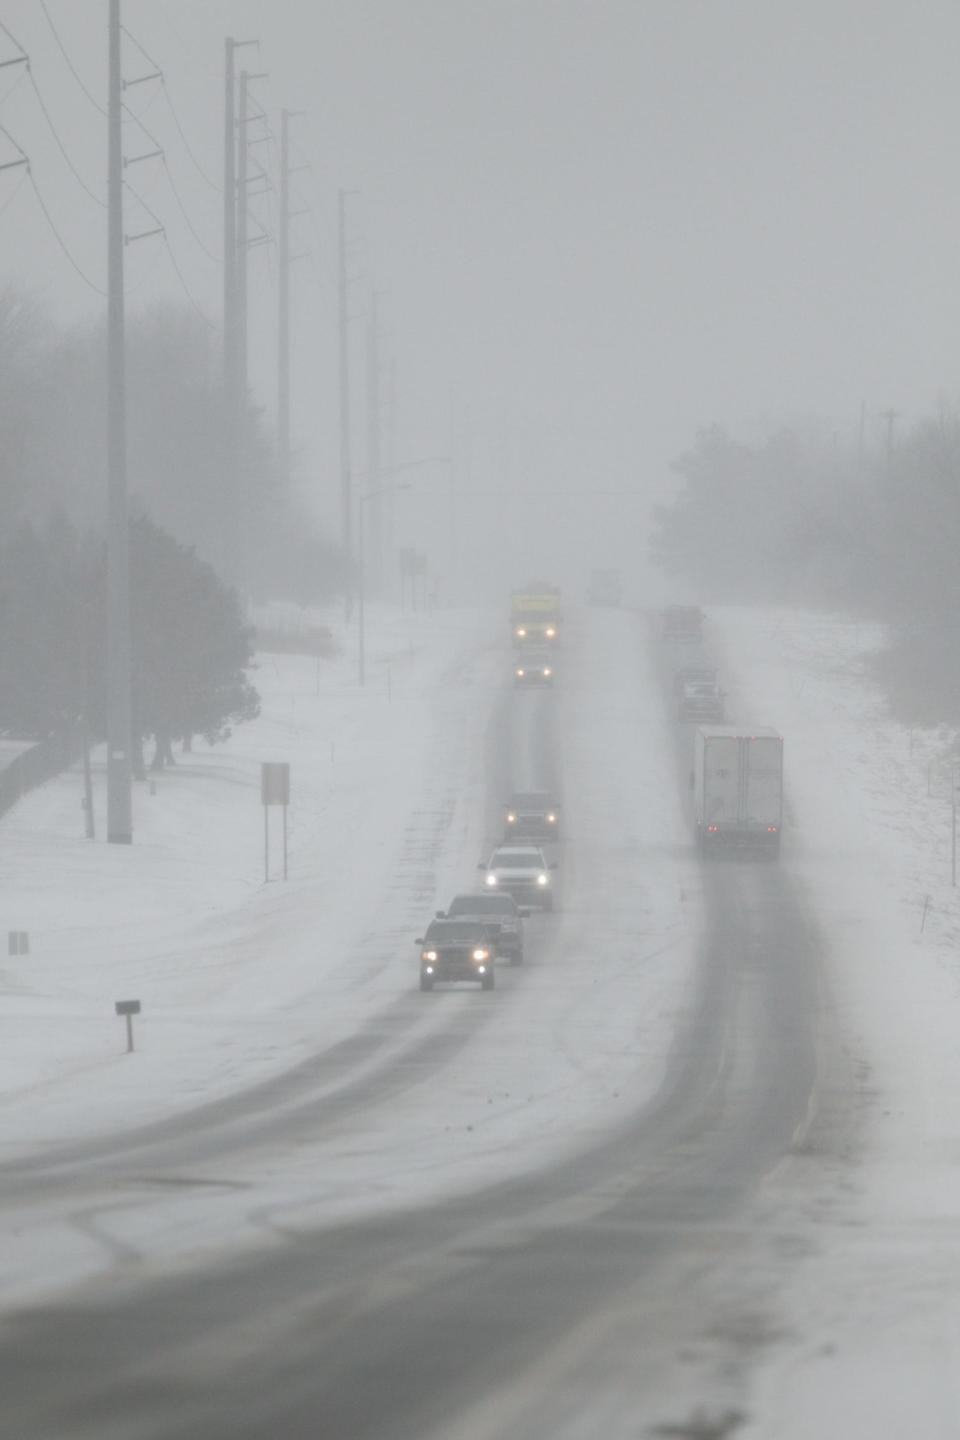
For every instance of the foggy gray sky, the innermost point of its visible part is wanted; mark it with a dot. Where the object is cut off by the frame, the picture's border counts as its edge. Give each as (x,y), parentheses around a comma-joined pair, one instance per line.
(597,223)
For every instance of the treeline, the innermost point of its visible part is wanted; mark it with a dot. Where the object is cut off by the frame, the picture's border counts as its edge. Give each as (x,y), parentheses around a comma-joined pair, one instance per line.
(190,645)
(800,518)
(195,527)
(53,448)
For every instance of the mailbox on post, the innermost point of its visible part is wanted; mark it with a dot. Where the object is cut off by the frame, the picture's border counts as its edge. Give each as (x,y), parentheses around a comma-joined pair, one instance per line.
(128,1008)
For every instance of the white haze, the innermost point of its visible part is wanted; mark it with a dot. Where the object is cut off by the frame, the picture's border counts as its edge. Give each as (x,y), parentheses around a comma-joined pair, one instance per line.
(596,224)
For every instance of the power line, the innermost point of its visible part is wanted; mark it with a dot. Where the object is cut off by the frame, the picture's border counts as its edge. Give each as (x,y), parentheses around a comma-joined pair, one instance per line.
(186,143)
(59,238)
(183,211)
(15,86)
(162,155)
(184,286)
(60,145)
(15,191)
(70,65)
(49,119)
(173,111)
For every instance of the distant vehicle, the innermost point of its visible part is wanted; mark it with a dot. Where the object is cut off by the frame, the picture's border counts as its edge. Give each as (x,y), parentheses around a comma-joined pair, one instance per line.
(500,916)
(738,789)
(535,668)
(535,615)
(456,950)
(605,588)
(682,622)
(701,700)
(692,671)
(521,871)
(532,815)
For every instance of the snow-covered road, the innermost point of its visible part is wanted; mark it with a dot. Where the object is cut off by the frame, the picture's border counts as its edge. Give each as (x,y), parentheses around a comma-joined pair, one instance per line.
(696,1159)
(315,982)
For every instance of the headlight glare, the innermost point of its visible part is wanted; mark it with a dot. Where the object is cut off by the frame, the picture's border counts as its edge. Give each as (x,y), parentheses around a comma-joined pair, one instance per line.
(542,879)
(491,879)
(481,955)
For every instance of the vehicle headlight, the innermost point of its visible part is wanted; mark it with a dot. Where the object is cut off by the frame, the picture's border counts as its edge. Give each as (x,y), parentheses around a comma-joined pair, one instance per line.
(521,633)
(481,955)
(551,633)
(547,670)
(491,879)
(429,955)
(519,674)
(511,819)
(551,819)
(542,879)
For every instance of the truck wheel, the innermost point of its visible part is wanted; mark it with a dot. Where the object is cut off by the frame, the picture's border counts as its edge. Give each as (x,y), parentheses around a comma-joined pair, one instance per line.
(426,982)
(487,981)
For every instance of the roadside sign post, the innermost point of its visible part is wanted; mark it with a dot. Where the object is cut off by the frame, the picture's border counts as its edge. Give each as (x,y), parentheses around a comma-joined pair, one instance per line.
(274,790)
(128,1008)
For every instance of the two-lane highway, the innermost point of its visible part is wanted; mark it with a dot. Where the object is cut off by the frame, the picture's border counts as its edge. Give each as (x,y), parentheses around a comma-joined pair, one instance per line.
(602,1291)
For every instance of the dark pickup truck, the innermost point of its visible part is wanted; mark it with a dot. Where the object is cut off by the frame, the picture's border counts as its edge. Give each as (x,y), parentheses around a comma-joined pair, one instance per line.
(456,950)
(500,916)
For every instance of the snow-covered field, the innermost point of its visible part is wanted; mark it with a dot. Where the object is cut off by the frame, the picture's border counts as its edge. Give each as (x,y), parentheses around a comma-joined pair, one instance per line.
(870,1342)
(235,976)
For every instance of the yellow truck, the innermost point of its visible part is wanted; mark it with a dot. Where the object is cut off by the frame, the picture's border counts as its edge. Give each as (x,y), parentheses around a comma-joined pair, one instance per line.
(535,615)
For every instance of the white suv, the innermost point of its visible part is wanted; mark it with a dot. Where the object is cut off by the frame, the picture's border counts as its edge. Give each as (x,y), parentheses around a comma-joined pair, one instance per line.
(523,872)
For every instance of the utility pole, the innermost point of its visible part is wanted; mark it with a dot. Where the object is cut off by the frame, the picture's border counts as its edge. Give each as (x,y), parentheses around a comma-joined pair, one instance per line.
(375,547)
(284,261)
(346,481)
(283,303)
(231,329)
(890,416)
(119,716)
(243,165)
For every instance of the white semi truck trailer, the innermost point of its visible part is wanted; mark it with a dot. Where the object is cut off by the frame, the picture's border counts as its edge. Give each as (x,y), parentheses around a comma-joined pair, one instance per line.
(738,789)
